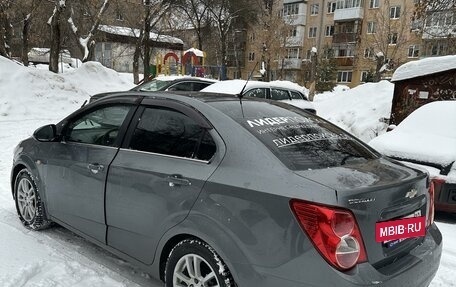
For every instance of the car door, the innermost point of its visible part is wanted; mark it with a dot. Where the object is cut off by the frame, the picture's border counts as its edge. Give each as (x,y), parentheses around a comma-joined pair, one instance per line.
(157,175)
(77,167)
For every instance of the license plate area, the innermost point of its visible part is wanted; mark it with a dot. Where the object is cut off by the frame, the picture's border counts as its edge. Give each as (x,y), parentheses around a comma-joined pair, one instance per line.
(392,232)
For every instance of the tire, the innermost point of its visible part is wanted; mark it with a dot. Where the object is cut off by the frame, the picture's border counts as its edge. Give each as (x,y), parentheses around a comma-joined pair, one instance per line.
(196,252)
(29,206)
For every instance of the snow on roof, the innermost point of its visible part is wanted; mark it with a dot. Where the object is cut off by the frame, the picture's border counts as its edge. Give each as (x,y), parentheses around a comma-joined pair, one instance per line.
(130,32)
(234,87)
(424,67)
(197,52)
(426,135)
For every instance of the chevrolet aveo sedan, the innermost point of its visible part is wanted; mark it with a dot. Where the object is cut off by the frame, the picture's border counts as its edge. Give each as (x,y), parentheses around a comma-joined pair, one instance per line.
(212,190)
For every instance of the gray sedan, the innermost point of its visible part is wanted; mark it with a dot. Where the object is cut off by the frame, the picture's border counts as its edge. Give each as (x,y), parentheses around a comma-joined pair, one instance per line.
(213,190)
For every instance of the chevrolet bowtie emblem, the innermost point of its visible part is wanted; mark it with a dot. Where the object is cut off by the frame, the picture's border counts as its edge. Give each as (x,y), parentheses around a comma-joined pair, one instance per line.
(412,193)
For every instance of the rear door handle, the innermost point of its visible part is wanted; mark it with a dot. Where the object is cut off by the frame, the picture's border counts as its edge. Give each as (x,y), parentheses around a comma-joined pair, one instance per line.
(95,167)
(177,180)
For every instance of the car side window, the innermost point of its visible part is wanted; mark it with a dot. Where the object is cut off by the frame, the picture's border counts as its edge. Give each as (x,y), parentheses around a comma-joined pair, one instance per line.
(182,86)
(169,132)
(198,86)
(98,127)
(296,95)
(278,94)
(257,93)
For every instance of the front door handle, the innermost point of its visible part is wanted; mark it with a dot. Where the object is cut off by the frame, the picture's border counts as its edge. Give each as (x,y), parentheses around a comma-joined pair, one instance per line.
(95,167)
(177,180)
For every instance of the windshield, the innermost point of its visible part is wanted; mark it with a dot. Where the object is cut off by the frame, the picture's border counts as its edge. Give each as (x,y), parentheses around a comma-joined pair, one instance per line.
(298,139)
(154,85)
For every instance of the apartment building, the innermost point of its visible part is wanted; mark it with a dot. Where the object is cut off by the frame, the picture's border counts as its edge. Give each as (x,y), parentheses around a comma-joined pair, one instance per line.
(367,38)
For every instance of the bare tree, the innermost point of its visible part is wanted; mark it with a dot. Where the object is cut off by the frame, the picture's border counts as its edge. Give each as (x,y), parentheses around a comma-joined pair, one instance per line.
(5,28)
(195,14)
(275,37)
(389,36)
(85,41)
(25,13)
(435,21)
(224,14)
(55,23)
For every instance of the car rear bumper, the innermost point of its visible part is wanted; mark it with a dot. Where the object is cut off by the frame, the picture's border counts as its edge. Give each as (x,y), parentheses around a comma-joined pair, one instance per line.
(416,269)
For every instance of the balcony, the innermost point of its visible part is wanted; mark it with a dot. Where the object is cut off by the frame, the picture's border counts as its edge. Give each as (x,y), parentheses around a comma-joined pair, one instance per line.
(344,61)
(297,19)
(344,37)
(290,64)
(349,14)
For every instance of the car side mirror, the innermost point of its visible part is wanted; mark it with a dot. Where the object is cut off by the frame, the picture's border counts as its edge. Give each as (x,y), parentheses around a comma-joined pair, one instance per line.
(46,133)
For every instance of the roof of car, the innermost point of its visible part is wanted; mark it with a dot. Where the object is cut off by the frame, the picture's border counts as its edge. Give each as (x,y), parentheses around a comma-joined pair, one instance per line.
(203,97)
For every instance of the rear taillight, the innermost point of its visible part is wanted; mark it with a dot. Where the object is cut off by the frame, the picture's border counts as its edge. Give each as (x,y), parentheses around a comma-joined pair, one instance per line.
(333,231)
(435,183)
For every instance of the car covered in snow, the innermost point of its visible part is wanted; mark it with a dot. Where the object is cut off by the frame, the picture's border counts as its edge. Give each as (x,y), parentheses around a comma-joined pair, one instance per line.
(427,139)
(283,91)
(215,190)
(167,83)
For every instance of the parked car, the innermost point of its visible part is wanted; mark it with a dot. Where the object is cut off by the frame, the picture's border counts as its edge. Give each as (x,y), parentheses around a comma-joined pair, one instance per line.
(283,91)
(427,139)
(167,83)
(211,190)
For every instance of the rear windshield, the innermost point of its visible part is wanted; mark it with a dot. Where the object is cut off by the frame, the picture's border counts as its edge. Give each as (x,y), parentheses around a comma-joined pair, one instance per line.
(299,139)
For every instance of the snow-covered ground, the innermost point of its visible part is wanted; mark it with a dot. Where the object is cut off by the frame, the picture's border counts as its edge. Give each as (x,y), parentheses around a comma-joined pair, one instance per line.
(30,98)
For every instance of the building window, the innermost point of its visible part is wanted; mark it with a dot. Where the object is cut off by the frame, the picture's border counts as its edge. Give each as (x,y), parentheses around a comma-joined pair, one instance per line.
(345,4)
(252,37)
(308,54)
(392,39)
(331,7)
(293,53)
(344,51)
(312,32)
(364,76)
(329,30)
(413,51)
(314,9)
(293,32)
(395,12)
(369,53)
(437,49)
(119,15)
(251,56)
(290,9)
(374,4)
(344,76)
(371,27)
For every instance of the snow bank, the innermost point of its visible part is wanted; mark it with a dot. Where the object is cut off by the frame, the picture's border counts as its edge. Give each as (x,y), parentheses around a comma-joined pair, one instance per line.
(358,110)
(27,92)
(426,135)
(424,67)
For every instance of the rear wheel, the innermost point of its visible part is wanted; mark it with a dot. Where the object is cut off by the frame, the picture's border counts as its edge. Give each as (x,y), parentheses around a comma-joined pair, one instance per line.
(29,206)
(193,263)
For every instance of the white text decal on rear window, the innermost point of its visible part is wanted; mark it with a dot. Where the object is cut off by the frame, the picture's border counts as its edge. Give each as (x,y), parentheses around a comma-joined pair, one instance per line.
(276,121)
(292,140)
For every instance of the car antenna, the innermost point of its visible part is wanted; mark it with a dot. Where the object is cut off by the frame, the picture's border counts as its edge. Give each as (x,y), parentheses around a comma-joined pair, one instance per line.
(240,95)
(84,103)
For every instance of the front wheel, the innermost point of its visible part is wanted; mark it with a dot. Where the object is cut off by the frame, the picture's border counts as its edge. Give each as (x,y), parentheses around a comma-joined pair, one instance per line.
(29,206)
(193,263)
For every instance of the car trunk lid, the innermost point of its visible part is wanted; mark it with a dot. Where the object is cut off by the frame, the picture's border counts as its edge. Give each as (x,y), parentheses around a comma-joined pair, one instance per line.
(377,191)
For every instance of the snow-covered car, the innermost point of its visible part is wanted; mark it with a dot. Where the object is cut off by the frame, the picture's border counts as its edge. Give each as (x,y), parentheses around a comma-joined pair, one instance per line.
(208,190)
(283,91)
(427,139)
(167,83)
